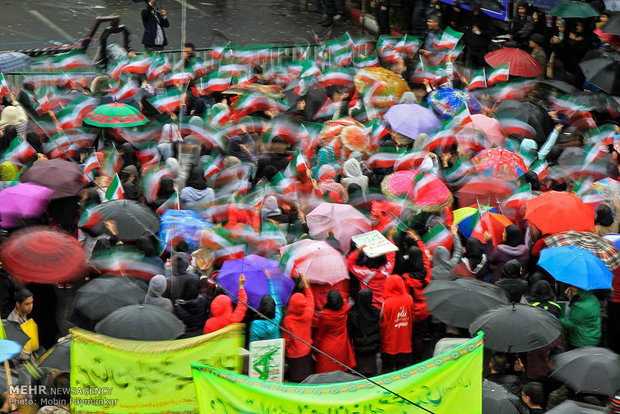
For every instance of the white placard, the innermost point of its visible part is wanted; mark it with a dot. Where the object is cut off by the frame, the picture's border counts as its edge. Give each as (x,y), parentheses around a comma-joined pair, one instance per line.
(267,360)
(376,244)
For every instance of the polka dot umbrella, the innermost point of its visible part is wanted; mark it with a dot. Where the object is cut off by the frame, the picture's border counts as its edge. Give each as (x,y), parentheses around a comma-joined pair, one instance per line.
(115,115)
(420,190)
(500,162)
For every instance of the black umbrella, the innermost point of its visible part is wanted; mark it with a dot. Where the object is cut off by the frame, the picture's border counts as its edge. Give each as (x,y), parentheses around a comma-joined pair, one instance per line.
(64,177)
(14,332)
(331,377)
(612,26)
(58,357)
(498,400)
(602,69)
(589,370)
(141,323)
(458,302)
(596,101)
(516,328)
(574,407)
(534,115)
(133,220)
(559,85)
(102,296)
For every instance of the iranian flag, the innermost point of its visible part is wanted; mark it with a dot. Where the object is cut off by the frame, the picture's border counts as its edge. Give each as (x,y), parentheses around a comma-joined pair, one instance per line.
(232,69)
(582,121)
(327,110)
(458,171)
(383,160)
(499,74)
(448,39)
(72,116)
(19,151)
(172,203)
(126,263)
(158,66)
(219,116)
(129,90)
(152,181)
(167,102)
(213,166)
(220,52)
(115,189)
(478,80)
(216,82)
(422,73)
(336,77)
(112,162)
(72,60)
(206,137)
(139,64)
(564,105)
(605,134)
(91,163)
(309,68)
(254,102)
(439,235)
(377,129)
(178,78)
(370,61)
(541,168)
(4,87)
(53,98)
(297,166)
(148,156)
(410,160)
(514,126)
(340,50)
(89,218)
(117,70)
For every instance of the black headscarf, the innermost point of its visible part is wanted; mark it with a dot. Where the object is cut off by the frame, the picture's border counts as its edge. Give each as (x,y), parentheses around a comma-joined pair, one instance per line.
(334,300)
(128,153)
(196,178)
(511,270)
(474,249)
(604,216)
(10,132)
(541,291)
(131,191)
(415,263)
(513,236)
(363,322)
(267,307)
(363,311)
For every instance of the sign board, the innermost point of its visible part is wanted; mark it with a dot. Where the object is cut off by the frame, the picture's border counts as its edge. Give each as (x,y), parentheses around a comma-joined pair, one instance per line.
(267,360)
(376,244)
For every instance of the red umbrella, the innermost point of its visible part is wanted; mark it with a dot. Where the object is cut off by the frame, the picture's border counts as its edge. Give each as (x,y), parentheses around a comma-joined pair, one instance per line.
(521,62)
(612,39)
(502,163)
(485,190)
(556,211)
(42,255)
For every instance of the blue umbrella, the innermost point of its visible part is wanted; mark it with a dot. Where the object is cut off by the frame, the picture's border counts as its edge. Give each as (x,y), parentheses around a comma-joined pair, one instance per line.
(8,349)
(448,102)
(576,267)
(256,287)
(182,223)
(411,120)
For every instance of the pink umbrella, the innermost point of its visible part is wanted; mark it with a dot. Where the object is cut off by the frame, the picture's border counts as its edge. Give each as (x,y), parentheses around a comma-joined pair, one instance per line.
(343,220)
(316,260)
(502,163)
(22,201)
(485,126)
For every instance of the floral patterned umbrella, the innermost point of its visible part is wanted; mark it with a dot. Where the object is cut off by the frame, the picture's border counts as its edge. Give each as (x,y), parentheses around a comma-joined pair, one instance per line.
(386,86)
(420,190)
(502,163)
(115,115)
(448,102)
(345,136)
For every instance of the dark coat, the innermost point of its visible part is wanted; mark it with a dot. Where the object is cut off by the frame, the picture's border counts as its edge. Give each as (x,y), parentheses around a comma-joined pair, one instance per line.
(193,314)
(502,253)
(511,281)
(150,20)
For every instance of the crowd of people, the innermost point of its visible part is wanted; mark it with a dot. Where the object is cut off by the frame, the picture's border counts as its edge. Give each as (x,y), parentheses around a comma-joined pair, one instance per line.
(245,167)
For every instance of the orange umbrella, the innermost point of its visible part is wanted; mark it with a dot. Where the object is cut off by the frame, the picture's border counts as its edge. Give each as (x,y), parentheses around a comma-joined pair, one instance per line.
(556,211)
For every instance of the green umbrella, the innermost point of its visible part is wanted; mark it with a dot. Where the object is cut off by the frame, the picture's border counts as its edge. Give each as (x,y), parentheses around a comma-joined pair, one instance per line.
(115,115)
(573,10)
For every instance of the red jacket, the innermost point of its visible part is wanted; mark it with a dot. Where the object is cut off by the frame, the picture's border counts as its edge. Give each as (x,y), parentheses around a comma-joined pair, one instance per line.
(372,279)
(298,320)
(331,337)
(222,313)
(397,317)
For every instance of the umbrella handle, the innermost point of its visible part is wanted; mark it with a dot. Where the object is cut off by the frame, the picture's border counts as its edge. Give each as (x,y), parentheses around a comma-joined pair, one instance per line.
(9,382)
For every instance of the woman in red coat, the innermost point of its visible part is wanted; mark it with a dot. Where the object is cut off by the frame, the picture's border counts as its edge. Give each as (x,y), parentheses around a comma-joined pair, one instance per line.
(397,318)
(298,321)
(331,335)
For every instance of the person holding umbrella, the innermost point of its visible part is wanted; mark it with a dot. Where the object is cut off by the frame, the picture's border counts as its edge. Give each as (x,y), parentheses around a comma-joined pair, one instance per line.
(260,328)
(222,313)
(582,326)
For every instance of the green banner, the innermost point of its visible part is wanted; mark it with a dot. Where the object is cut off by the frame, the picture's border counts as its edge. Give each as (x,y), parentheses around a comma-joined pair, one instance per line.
(447,384)
(120,376)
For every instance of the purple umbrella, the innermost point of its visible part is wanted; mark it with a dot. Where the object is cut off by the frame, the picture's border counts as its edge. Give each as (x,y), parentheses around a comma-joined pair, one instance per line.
(22,201)
(411,120)
(253,267)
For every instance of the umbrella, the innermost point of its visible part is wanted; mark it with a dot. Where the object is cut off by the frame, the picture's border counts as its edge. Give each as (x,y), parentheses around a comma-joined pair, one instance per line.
(485,190)
(182,223)
(102,296)
(559,85)
(458,302)
(141,323)
(594,101)
(498,400)
(8,349)
(420,190)
(343,220)
(114,115)
(256,286)
(316,260)
(556,211)
(534,115)
(22,201)
(576,267)
(58,357)
(609,38)
(345,136)
(521,63)
(574,407)
(612,26)
(467,217)
(133,220)
(589,369)
(391,86)
(500,162)
(14,332)
(614,238)
(599,246)
(516,328)
(42,255)
(411,120)
(602,69)
(64,177)
(13,61)
(573,10)
(494,223)
(331,377)
(448,102)
(484,126)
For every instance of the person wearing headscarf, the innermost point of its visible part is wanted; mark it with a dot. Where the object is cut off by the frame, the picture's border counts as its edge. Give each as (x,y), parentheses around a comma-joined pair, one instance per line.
(443,264)
(222,313)
(154,296)
(166,189)
(365,332)
(14,115)
(169,138)
(328,186)
(128,154)
(298,321)
(180,278)
(512,247)
(512,281)
(474,263)
(240,147)
(261,329)
(352,174)
(191,308)
(397,318)
(606,221)
(541,295)
(332,337)
(196,194)
(325,156)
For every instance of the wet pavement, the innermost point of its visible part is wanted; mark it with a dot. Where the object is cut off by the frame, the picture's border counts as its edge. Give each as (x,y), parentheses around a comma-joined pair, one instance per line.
(33,24)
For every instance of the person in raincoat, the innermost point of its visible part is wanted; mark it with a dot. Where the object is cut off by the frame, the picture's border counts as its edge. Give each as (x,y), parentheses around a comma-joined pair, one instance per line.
(582,326)
(397,318)
(222,313)
(298,321)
